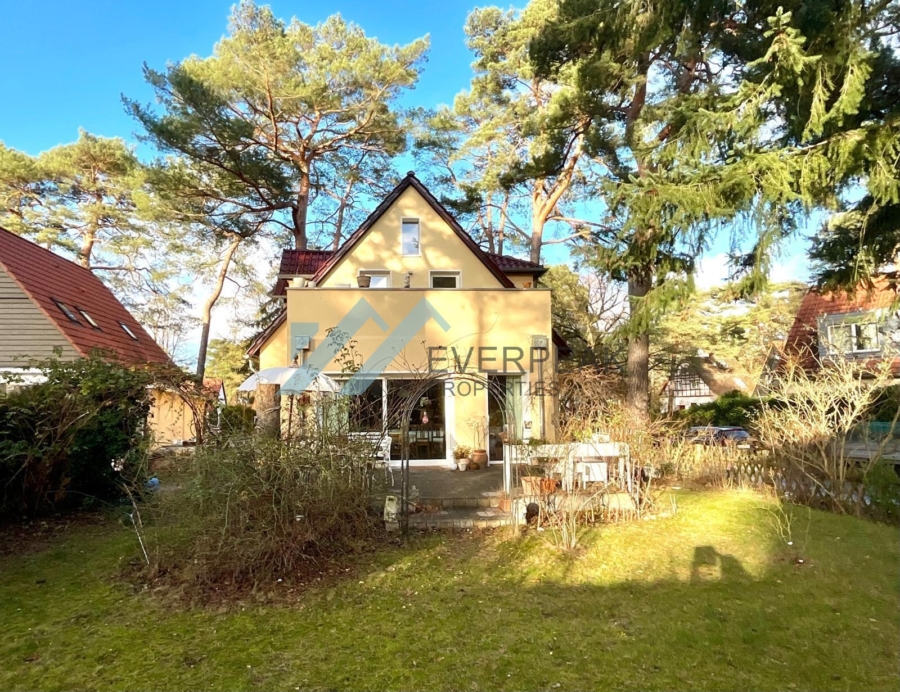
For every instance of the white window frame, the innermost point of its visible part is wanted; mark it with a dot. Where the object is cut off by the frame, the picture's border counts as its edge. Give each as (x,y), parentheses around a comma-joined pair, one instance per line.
(854,321)
(456,273)
(376,272)
(418,223)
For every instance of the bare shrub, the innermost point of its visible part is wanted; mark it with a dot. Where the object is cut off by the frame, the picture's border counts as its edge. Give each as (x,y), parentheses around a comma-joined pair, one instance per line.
(816,427)
(256,509)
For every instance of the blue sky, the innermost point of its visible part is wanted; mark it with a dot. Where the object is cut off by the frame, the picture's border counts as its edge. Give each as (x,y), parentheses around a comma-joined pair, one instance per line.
(65,65)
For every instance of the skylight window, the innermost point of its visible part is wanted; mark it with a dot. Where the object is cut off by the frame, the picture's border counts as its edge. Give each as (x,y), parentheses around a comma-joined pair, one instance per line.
(64,309)
(127,330)
(90,320)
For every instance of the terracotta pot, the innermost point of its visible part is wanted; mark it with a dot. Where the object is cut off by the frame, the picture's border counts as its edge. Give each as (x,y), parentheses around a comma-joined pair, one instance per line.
(479,456)
(364,281)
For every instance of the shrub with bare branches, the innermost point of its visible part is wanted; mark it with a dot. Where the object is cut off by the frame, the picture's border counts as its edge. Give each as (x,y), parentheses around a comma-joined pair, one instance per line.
(816,425)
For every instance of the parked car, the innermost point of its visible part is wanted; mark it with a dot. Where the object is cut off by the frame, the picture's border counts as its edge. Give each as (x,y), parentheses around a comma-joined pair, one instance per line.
(722,436)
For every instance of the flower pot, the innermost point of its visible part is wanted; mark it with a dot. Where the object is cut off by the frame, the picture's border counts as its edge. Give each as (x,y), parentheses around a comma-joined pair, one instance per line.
(364,281)
(479,456)
(463,464)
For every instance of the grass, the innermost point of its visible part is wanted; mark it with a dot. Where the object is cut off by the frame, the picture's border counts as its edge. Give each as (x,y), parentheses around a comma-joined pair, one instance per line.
(711,598)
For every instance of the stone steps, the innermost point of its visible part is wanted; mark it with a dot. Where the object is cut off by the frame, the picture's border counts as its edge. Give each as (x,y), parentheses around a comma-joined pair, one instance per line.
(461,518)
(488,500)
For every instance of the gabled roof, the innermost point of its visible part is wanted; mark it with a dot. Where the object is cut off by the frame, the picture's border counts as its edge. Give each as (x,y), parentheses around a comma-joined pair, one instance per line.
(803,338)
(46,278)
(410,181)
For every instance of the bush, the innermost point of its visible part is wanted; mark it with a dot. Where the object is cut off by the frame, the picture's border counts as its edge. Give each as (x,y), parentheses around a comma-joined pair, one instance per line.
(257,508)
(236,419)
(732,409)
(883,489)
(72,439)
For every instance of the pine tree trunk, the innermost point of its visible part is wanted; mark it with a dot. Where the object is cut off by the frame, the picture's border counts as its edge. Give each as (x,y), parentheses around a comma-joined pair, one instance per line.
(87,249)
(300,213)
(637,374)
(211,302)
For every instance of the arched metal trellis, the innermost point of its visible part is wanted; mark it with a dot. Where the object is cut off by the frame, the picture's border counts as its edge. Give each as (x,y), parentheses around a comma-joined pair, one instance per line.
(409,403)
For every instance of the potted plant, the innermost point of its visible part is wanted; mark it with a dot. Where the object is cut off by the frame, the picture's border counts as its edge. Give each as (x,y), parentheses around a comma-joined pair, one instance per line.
(461,455)
(479,452)
(535,482)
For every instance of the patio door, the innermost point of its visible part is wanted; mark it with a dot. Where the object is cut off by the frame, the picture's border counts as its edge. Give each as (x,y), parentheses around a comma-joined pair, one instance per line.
(427,421)
(504,413)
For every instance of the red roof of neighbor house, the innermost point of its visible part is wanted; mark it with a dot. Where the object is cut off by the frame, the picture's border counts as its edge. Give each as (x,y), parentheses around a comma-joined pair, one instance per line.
(803,339)
(46,277)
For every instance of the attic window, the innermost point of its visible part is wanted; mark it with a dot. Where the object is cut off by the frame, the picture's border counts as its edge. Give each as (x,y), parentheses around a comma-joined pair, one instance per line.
(127,330)
(64,309)
(90,320)
(409,241)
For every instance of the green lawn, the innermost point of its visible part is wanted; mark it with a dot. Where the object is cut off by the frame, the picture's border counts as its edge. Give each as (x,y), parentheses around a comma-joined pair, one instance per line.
(707,599)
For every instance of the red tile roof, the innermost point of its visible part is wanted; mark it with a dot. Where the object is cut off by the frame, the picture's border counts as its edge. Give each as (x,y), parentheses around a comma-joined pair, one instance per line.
(45,276)
(302,262)
(803,339)
(515,265)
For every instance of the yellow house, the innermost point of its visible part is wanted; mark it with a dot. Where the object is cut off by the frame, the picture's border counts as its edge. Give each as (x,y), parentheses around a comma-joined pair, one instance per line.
(411,301)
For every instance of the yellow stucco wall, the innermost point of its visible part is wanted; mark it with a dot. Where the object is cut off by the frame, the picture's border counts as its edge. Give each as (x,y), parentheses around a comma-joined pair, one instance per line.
(170,418)
(274,353)
(440,247)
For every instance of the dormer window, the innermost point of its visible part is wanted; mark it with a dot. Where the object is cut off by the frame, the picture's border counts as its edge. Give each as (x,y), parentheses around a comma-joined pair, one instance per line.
(409,240)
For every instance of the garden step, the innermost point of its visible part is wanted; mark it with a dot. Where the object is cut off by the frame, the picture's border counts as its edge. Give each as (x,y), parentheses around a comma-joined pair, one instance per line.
(461,518)
(490,500)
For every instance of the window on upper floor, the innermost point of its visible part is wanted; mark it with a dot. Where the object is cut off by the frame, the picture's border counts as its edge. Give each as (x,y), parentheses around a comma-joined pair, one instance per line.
(849,335)
(378,278)
(445,279)
(409,240)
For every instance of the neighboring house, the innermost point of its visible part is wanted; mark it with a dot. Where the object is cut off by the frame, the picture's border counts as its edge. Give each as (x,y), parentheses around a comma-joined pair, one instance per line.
(51,307)
(861,325)
(410,250)
(701,379)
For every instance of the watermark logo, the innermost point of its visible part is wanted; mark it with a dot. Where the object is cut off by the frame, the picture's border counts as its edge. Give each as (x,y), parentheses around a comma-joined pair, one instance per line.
(441,360)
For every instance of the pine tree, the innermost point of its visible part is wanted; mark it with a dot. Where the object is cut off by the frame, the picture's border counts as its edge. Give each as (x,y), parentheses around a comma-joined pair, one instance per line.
(276,107)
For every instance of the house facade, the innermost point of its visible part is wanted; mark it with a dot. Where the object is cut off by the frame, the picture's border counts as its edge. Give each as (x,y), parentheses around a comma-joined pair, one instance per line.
(51,307)
(411,301)
(701,379)
(860,325)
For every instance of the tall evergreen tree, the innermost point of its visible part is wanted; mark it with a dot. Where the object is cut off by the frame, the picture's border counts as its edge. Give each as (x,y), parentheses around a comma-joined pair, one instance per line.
(710,114)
